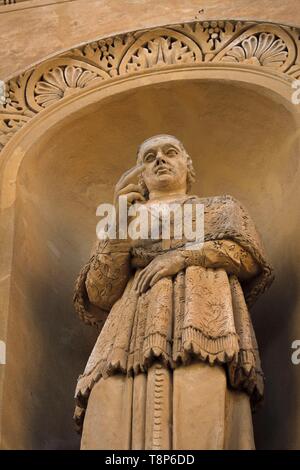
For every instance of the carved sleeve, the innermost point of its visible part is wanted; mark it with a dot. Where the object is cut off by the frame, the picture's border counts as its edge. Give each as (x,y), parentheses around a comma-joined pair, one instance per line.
(224,254)
(108,273)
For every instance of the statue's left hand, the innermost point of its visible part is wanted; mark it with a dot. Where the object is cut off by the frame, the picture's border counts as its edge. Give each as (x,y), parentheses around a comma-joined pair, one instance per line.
(167,264)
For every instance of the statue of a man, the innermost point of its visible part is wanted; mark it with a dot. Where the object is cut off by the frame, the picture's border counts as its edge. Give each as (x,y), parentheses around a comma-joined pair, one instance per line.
(176,364)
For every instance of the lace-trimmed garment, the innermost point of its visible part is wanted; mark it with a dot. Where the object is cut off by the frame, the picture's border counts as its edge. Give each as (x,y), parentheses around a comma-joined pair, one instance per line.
(200,314)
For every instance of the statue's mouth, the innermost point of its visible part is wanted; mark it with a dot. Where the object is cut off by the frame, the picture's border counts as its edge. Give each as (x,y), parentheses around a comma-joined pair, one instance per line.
(162,170)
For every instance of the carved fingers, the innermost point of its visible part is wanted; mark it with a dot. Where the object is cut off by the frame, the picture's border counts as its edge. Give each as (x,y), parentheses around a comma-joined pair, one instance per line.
(145,278)
(164,265)
(128,175)
(125,186)
(132,192)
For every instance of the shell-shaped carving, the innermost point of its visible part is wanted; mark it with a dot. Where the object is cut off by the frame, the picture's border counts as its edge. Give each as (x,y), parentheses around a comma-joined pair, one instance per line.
(61,81)
(264,49)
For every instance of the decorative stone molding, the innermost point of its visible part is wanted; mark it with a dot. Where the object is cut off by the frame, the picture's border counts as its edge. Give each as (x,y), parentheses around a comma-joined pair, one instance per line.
(268,46)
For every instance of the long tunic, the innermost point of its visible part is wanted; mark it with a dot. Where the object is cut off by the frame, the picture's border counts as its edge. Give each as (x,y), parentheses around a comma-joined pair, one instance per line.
(193,320)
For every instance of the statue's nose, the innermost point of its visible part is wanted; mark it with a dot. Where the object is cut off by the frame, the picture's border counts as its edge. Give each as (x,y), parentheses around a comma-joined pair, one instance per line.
(159,158)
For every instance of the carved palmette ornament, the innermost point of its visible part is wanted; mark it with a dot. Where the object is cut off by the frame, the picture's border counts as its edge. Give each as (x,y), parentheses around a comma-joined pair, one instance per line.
(105,54)
(267,45)
(157,49)
(47,85)
(59,82)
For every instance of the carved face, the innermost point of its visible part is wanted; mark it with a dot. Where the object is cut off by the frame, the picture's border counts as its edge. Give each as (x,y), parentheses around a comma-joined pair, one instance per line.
(165,164)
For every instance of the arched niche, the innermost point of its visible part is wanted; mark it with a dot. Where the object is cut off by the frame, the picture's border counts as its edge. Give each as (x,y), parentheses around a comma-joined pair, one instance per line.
(242,132)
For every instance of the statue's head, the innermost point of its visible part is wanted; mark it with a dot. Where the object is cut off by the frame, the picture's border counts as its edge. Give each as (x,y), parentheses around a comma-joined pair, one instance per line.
(167,165)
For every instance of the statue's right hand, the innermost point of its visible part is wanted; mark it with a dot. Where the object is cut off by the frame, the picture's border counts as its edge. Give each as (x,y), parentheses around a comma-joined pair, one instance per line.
(126,187)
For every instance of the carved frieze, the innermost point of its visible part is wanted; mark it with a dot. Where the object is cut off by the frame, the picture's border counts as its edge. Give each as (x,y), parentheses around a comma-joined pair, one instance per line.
(270,46)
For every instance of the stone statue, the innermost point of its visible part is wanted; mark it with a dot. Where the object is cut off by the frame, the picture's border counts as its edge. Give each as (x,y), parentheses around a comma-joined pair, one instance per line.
(176,363)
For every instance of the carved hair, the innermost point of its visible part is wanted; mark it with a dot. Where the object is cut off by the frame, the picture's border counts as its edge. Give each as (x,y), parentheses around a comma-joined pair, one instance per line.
(190,169)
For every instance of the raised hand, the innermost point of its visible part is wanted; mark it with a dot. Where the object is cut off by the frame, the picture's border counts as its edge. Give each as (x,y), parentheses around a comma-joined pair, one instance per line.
(126,187)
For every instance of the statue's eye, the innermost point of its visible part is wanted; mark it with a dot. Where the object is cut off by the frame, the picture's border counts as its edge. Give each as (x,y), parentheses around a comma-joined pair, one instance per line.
(171,152)
(149,157)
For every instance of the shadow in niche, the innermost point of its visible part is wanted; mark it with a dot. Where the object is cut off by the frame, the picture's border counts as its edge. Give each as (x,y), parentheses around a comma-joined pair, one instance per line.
(66,345)
(51,424)
(271,319)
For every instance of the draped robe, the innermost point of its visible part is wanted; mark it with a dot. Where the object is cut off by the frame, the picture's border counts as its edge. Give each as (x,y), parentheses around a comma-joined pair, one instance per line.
(176,367)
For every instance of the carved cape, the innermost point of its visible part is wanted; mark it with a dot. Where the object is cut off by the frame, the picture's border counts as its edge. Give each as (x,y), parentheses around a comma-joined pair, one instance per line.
(199,314)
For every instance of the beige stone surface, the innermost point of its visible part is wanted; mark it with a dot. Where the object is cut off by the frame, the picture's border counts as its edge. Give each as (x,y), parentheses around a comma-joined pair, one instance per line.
(108,423)
(220,420)
(196,411)
(33,30)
